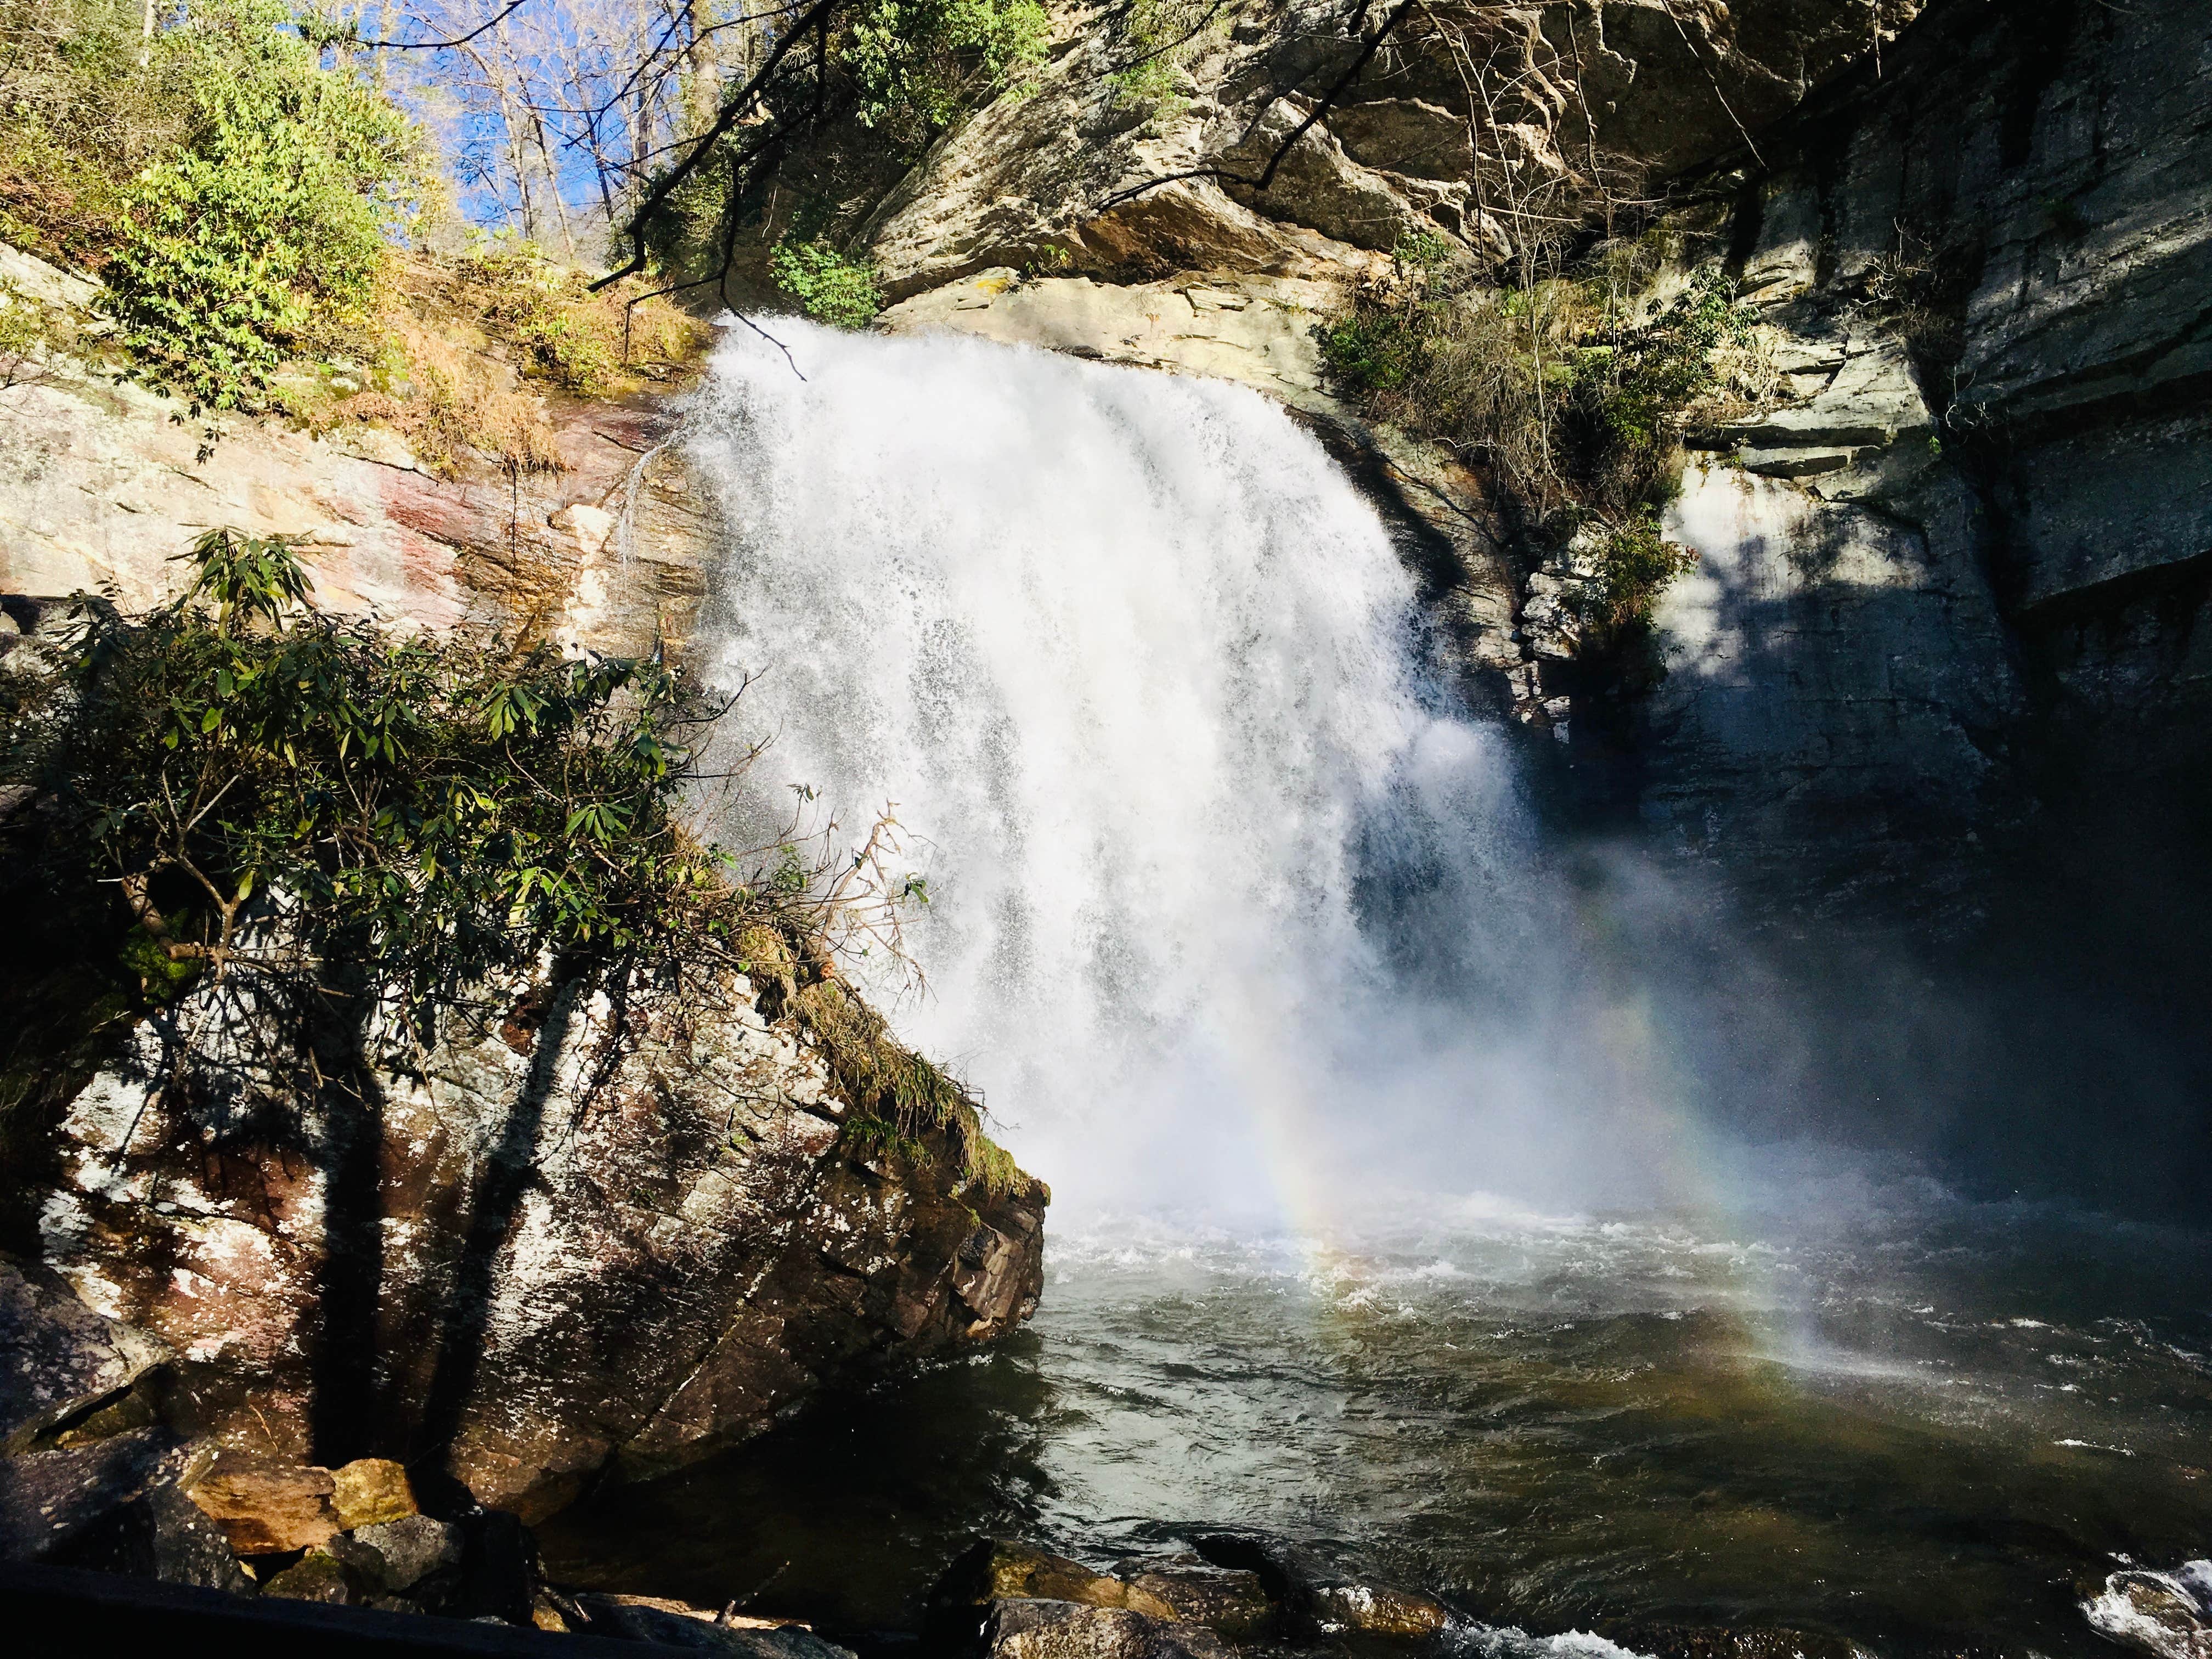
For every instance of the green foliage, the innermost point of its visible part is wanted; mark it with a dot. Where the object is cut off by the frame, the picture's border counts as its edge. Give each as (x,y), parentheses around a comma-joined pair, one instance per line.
(1574,406)
(1382,344)
(276,204)
(83,105)
(1629,388)
(432,809)
(1635,563)
(920,64)
(899,1099)
(1159,37)
(828,286)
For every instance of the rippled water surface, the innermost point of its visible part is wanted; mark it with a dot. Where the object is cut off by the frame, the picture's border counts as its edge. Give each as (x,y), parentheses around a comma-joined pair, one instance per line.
(1924,1432)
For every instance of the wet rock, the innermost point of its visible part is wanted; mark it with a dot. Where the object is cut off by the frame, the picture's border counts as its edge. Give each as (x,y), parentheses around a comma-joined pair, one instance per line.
(265,1506)
(669,1277)
(62,1365)
(2168,1616)
(161,1534)
(371,1490)
(55,1502)
(1721,1642)
(996,1570)
(1041,1629)
(317,1576)
(415,1556)
(500,1578)
(675,1625)
(1310,1588)
(1232,1604)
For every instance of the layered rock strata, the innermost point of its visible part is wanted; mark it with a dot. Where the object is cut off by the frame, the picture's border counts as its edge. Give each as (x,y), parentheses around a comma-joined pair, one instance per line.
(1950,576)
(103,483)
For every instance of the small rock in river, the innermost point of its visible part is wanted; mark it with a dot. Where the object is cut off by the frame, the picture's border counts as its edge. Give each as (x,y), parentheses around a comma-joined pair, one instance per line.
(370,1489)
(2167,1614)
(998,1569)
(1229,1602)
(317,1576)
(1332,1601)
(1031,1628)
(408,1551)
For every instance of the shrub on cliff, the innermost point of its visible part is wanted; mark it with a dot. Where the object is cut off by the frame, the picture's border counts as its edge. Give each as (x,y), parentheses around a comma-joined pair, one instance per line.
(272,213)
(828,286)
(266,783)
(329,811)
(920,64)
(1574,402)
(236,192)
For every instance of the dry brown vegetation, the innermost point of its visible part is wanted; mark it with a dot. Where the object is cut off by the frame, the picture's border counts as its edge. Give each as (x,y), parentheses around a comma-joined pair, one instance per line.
(462,352)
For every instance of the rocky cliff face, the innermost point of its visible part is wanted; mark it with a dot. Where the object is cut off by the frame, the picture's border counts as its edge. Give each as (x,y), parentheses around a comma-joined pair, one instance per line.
(1950,576)
(578,1233)
(1962,575)
(1454,121)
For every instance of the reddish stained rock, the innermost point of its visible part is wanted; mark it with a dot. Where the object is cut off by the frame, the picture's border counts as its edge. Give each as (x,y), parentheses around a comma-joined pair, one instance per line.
(100,486)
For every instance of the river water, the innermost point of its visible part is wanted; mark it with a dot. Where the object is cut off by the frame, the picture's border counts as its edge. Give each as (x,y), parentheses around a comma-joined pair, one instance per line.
(1426,1192)
(1932,1432)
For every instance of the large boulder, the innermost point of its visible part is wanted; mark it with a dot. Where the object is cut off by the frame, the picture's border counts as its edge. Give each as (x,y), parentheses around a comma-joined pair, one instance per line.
(66,1372)
(571,1236)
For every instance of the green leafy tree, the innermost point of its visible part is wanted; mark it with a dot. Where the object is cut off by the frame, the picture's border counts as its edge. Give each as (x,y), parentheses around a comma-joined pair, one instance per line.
(274,208)
(262,779)
(920,63)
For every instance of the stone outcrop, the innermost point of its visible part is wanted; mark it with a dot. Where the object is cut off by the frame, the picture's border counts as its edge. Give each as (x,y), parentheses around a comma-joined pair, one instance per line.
(1436,132)
(574,1234)
(102,484)
(1963,575)
(1240,1591)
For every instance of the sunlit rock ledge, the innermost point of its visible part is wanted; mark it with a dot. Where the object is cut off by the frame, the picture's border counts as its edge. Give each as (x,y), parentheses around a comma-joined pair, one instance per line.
(103,483)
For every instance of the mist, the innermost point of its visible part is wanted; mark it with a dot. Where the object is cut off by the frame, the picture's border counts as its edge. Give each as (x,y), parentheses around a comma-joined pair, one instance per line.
(1236,913)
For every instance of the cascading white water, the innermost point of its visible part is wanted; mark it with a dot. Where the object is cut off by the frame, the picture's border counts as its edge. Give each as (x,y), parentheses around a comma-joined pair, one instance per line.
(1221,893)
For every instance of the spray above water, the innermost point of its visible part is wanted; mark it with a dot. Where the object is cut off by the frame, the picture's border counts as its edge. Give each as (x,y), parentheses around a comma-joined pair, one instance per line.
(1228,901)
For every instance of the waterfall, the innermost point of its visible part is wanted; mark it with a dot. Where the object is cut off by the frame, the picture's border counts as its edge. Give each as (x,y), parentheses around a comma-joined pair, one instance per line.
(1228,897)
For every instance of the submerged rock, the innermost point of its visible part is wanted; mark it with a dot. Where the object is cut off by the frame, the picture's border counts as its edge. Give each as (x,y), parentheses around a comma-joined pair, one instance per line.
(1034,1628)
(1723,1641)
(1231,1603)
(997,1570)
(677,1625)
(1334,1601)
